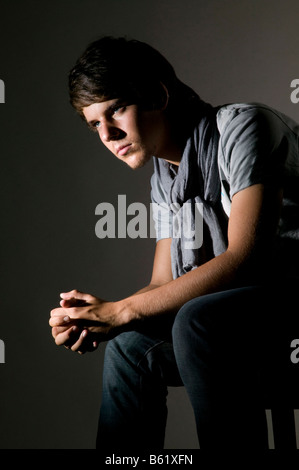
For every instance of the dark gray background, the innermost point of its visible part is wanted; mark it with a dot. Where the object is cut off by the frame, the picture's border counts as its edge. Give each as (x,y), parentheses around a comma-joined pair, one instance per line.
(54,172)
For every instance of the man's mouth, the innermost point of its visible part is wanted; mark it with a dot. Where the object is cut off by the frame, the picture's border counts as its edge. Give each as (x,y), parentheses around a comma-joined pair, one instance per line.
(122,150)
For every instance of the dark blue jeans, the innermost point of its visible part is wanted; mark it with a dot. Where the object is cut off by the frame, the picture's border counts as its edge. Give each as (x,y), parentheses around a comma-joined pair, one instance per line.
(219,348)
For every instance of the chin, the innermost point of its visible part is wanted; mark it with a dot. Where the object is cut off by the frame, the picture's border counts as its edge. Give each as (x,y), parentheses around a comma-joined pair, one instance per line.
(135,162)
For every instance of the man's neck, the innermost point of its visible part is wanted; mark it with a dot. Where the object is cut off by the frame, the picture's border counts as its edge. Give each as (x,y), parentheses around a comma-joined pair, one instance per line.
(173,150)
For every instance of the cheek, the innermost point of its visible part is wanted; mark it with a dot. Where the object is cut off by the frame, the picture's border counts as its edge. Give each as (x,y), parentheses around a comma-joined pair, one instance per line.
(149,140)
(150,129)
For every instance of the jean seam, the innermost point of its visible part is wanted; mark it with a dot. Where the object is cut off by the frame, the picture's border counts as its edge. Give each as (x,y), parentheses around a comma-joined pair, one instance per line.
(149,350)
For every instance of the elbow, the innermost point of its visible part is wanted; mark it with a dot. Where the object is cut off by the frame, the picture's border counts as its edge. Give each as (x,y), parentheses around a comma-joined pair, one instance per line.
(247,267)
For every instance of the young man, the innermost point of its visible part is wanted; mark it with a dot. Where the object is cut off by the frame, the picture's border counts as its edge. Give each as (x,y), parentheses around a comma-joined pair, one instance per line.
(208,316)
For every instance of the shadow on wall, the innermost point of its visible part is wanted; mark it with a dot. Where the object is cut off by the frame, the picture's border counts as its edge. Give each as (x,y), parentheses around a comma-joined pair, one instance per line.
(181,428)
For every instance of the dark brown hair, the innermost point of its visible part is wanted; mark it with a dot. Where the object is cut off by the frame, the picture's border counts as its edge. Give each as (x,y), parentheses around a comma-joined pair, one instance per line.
(127,69)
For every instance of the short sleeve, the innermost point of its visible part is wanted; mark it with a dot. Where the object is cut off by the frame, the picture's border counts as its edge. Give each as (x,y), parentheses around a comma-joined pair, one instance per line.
(253,147)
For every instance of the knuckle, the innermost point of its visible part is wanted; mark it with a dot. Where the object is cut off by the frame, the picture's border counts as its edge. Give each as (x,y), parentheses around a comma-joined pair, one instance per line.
(74,312)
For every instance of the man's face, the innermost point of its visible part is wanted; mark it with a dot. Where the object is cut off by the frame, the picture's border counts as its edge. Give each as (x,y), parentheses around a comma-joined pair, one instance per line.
(131,134)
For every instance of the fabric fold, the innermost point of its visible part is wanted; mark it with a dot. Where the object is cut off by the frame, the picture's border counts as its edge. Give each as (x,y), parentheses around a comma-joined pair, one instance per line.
(199,230)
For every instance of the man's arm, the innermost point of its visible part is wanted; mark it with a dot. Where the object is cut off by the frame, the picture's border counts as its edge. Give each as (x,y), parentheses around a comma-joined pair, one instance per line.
(161,273)
(252,225)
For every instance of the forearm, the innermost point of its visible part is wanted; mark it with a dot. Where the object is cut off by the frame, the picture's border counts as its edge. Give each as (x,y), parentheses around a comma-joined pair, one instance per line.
(215,275)
(147,288)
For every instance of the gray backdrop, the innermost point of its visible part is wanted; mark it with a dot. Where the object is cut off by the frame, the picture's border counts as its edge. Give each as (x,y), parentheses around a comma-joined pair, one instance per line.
(54,172)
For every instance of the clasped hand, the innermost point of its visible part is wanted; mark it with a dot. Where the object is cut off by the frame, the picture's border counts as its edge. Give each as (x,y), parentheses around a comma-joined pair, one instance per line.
(82,321)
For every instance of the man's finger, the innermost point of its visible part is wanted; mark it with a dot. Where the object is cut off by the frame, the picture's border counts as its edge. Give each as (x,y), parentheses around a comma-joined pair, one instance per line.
(62,320)
(58,312)
(78,346)
(56,330)
(77,295)
(72,302)
(67,337)
(70,312)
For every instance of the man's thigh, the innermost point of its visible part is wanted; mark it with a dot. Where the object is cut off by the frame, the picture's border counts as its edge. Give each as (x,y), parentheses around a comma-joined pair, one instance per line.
(147,354)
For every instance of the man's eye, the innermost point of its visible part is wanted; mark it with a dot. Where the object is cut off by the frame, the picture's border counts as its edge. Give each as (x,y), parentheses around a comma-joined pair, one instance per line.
(118,109)
(94,126)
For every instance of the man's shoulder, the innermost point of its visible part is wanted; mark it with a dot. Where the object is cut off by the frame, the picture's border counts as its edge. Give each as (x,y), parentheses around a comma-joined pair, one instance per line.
(238,113)
(262,116)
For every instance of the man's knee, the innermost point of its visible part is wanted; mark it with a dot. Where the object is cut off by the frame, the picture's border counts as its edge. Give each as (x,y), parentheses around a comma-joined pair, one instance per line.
(217,310)
(132,352)
(135,349)
(119,349)
(192,315)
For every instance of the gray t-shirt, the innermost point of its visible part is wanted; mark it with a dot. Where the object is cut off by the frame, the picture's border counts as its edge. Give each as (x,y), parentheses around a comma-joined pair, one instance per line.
(257,144)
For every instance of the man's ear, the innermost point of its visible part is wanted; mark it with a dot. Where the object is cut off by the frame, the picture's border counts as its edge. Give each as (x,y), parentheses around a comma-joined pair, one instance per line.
(165,97)
(160,97)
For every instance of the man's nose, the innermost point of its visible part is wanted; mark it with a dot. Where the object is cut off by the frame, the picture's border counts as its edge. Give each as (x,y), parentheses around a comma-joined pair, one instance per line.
(109,132)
